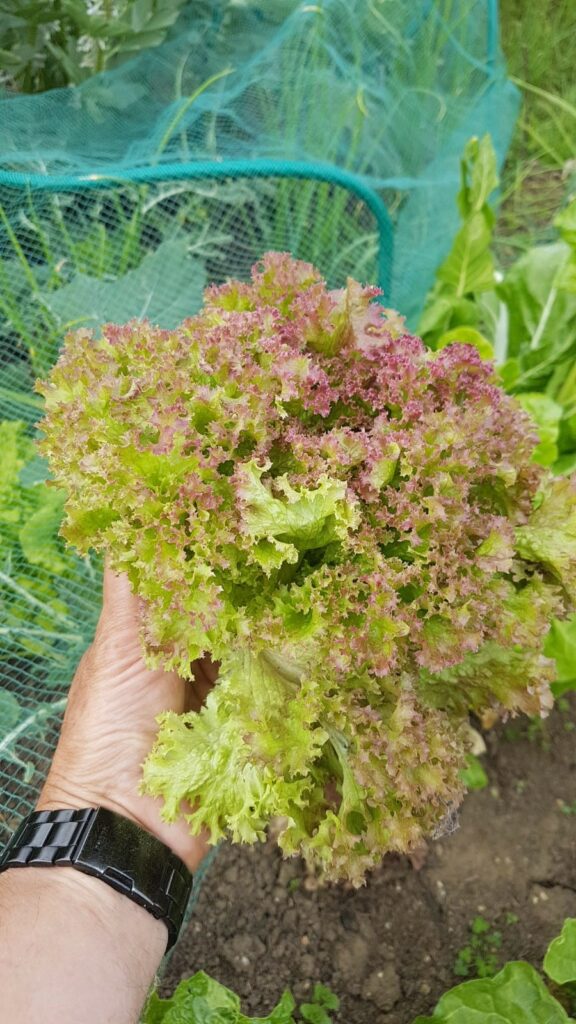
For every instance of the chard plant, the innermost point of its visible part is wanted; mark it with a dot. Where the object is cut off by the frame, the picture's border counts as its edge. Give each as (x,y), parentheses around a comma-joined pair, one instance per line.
(516,995)
(352,526)
(522,316)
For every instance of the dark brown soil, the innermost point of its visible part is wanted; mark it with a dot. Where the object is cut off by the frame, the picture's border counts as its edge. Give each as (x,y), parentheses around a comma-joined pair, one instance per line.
(388,950)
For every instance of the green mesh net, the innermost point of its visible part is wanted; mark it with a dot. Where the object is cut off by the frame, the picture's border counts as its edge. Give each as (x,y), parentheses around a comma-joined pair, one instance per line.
(329,129)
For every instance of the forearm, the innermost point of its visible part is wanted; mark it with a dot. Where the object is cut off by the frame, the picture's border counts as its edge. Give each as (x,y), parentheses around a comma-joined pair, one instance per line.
(72,949)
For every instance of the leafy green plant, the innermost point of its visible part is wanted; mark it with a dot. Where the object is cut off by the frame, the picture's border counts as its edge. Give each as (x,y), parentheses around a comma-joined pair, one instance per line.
(323,1001)
(524,318)
(202,1000)
(473,774)
(49,45)
(39,581)
(33,615)
(517,994)
(479,957)
(290,482)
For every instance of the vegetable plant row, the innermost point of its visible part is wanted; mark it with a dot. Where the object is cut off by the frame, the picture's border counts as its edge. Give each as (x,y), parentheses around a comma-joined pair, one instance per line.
(516,995)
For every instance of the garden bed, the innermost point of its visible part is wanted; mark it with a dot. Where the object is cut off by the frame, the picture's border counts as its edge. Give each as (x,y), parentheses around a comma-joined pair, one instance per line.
(389,950)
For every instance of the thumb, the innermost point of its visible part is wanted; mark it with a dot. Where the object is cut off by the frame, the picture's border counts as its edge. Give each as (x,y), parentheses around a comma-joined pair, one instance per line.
(118,601)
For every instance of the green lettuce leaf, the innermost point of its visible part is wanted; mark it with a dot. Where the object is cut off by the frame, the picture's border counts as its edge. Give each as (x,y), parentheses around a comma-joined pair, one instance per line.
(202,1000)
(561,645)
(550,535)
(560,959)
(517,995)
(547,415)
(248,756)
(300,520)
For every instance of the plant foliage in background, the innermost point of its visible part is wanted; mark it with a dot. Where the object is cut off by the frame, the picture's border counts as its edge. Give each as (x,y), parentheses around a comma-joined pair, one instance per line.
(524,317)
(353,526)
(47,45)
(39,577)
(539,42)
(33,615)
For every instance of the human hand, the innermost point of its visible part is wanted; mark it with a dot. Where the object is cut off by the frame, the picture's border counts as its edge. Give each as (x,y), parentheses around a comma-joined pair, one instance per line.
(110,724)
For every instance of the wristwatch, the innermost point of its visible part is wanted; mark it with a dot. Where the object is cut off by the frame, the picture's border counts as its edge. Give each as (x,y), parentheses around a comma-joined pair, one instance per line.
(106,845)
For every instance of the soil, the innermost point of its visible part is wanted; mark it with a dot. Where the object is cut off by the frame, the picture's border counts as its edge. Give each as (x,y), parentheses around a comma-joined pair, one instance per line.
(389,949)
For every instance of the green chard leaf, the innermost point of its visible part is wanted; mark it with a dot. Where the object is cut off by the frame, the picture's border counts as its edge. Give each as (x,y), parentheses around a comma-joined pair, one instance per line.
(547,414)
(469,269)
(561,645)
(560,959)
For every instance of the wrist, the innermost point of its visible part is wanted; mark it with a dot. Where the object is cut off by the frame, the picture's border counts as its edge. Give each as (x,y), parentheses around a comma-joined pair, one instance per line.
(87,898)
(94,952)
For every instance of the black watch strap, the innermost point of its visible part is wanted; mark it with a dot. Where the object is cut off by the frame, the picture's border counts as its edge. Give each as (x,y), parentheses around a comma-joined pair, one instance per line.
(108,846)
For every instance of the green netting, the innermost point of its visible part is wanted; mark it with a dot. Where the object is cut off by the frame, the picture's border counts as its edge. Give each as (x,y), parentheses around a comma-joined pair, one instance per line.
(330,129)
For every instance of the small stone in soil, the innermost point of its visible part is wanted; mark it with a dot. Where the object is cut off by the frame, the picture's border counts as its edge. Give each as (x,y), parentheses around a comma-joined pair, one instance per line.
(351,959)
(242,951)
(308,967)
(382,987)
(288,870)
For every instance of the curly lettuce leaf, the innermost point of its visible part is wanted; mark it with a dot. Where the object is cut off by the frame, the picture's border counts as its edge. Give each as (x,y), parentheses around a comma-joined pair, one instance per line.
(249,755)
(296,521)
